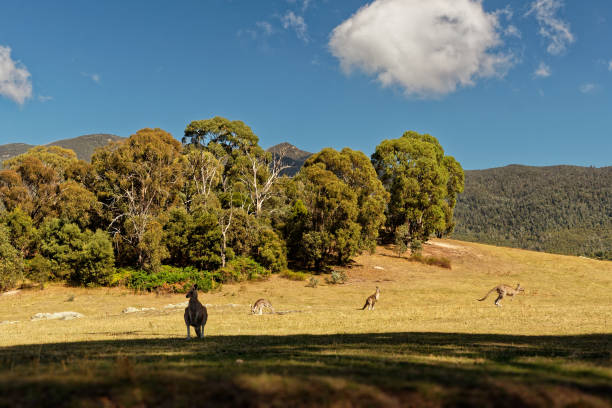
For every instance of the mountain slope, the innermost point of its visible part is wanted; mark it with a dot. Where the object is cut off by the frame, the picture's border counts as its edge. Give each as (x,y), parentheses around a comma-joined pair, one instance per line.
(83,146)
(294,157)
(558,209)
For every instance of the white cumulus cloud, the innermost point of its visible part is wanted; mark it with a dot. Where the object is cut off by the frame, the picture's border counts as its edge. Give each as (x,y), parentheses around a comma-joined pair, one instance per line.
(552,28)
(542,71)
(15,81)
(427,47)
(297,23)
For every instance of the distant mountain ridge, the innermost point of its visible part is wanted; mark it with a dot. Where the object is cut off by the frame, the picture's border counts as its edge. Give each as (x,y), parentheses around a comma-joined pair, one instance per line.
(558,209)
(84,146)
(294,157)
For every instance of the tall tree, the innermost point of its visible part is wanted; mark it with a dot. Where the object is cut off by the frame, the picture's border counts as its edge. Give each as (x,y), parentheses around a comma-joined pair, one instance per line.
(138,180)
(423,184)
(356,170)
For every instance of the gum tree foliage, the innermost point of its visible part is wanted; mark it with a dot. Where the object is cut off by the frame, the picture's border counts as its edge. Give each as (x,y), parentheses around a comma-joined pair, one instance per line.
(137,181)
(423,184)
(355,170)
(22,234)
(44,182)
(323,226)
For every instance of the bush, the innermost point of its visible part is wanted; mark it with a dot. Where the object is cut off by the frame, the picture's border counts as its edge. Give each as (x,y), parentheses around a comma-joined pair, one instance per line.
(337,277)
(84,258)
(294,275)
(11,263)
(313,282)
(431,260)
(271,251)
(241,269)
(38,269)
(169,279)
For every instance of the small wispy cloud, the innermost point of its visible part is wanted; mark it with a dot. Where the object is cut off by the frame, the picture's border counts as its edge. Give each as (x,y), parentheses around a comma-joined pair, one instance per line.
(265,27)
(552,28)
(587,88)
(297,23)
(15,81)
(94,77)
(543,71)
(305,4)
(262,29)
(610,65)
(44,98)
(512,31)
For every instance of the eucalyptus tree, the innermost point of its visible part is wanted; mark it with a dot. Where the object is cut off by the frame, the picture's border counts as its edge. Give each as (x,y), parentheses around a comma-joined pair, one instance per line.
(423,184)
(138,180)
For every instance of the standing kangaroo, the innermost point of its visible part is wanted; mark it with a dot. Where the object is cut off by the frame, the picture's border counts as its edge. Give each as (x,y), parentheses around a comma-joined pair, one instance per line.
(258,306)
(503,290)
(195,313)
(371,300)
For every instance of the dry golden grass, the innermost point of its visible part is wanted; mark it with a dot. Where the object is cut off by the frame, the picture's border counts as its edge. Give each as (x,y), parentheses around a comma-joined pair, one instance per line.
(428,342)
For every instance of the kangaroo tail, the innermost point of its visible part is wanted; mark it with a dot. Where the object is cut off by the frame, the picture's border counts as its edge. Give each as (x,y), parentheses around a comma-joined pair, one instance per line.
(487,295)
(364,306)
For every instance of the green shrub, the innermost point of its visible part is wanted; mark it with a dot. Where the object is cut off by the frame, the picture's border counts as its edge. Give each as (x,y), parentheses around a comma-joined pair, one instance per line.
(337,277)
(241,269)
(313,282)
(11,263)
(83,257)
(38,269)
(294,275)
(170,279)
(271,252)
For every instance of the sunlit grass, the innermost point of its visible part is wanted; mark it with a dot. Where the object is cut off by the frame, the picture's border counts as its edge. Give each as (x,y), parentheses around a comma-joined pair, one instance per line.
(428,342)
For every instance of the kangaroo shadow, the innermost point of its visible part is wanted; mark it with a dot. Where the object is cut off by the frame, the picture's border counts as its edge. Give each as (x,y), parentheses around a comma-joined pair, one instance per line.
(371,369)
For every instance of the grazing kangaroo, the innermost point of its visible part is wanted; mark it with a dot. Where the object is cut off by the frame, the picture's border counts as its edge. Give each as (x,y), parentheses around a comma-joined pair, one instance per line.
(195,313)
(258,306)
(503,290)
(371,300)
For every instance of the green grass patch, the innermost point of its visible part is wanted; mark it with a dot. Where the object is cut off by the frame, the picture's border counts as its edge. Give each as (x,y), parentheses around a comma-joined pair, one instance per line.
(294,275)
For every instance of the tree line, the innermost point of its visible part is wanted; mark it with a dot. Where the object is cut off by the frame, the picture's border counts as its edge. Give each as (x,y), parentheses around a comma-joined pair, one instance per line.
(213,202)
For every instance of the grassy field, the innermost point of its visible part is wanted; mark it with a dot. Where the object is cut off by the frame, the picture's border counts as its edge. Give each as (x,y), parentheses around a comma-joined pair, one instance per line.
(427,343)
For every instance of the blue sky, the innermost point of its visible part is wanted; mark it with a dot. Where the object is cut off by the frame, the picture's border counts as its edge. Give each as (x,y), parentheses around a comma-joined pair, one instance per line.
(497,82)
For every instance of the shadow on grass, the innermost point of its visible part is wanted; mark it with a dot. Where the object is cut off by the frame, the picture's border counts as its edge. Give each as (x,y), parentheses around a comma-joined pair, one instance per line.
(374,369)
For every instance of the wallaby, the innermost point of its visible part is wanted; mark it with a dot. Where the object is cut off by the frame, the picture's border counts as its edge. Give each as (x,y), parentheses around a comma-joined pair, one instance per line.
(195,313)
(258,306)
(371,300)
(503,290)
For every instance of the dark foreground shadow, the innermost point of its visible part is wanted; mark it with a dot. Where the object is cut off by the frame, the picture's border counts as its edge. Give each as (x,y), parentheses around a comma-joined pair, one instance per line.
(386,369)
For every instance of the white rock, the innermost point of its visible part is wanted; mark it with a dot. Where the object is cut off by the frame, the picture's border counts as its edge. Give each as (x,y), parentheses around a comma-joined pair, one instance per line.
(9,322)
(177,305)
(57,316)
(10,292)
(379,267)
(135,309)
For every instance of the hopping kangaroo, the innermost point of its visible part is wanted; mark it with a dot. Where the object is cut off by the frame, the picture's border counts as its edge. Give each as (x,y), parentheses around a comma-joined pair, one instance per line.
(258,306)
(371,300)
(195,313)
(503,290)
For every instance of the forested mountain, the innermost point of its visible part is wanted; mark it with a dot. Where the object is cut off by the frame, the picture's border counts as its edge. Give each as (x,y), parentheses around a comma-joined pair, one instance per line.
(559,209)
(83,146)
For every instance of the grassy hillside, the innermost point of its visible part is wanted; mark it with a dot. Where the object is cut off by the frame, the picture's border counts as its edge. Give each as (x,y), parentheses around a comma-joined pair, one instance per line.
(83,146)
(427,343)
(560,209)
